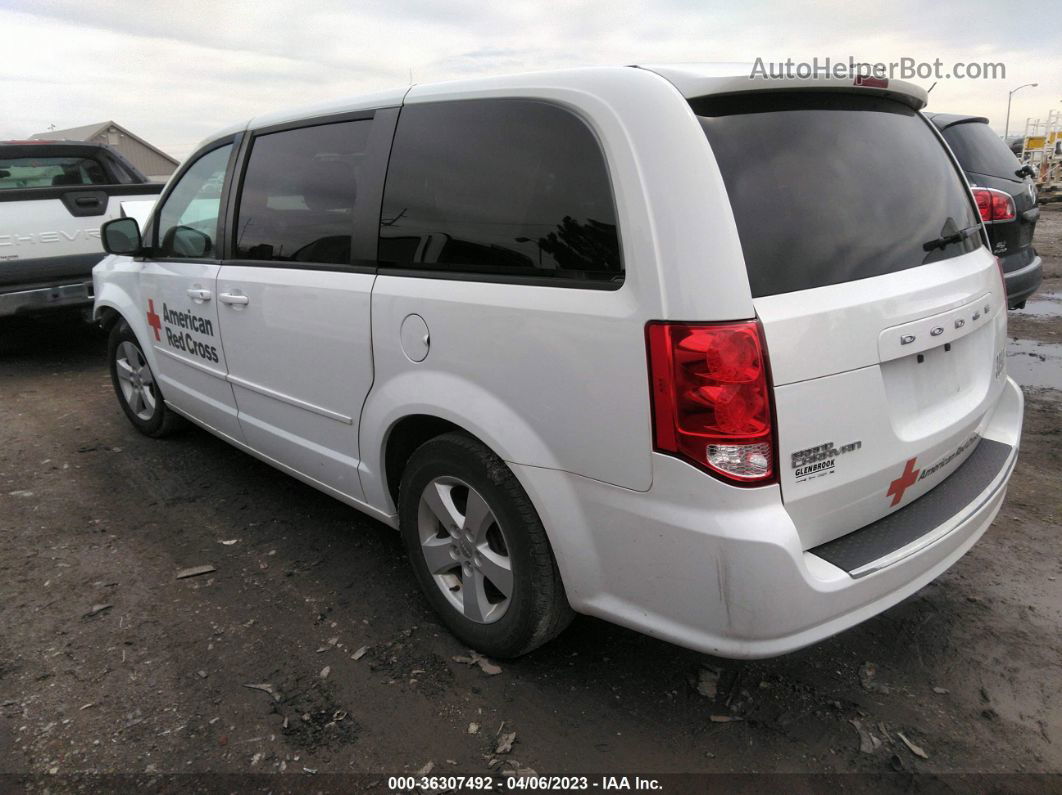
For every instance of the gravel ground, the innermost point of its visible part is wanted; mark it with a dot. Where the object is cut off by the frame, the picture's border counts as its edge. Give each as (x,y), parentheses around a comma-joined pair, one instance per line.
(110,664)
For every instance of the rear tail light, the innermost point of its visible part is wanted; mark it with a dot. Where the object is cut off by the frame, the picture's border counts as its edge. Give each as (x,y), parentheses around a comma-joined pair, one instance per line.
(994,205)
(711,398)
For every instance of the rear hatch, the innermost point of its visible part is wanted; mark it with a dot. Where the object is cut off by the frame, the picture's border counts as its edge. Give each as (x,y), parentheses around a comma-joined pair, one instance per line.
(882,308)
(989,163)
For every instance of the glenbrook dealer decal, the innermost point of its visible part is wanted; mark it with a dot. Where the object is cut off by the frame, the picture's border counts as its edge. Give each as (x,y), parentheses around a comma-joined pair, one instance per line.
(178,328)
(819,460)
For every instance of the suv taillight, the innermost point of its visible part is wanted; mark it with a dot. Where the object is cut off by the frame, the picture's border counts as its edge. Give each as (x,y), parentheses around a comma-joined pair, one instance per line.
(712,399)
(994,205)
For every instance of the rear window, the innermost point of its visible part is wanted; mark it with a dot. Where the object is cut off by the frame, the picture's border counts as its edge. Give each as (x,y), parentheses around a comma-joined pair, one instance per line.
(831,188)
(44,172)
(978,149)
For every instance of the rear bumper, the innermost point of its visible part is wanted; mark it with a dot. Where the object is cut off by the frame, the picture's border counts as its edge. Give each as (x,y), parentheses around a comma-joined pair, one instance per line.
(20,274)
(721,570)
(38,299)
(880,544)
(1023,282)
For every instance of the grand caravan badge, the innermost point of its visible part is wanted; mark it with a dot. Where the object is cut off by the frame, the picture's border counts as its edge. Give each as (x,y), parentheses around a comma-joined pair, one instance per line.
(820,459)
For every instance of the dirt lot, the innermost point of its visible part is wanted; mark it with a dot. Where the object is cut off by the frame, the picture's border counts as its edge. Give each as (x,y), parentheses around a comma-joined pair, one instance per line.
(109,664)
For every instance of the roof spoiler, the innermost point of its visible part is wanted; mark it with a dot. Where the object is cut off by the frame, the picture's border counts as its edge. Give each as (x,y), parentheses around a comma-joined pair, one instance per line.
(697,80)
(944,120)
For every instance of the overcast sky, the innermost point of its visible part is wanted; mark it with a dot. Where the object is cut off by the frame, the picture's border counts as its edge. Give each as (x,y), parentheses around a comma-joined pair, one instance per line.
(173,72)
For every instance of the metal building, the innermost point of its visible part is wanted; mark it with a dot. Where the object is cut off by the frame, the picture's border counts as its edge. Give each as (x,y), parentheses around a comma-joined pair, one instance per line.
(152,161)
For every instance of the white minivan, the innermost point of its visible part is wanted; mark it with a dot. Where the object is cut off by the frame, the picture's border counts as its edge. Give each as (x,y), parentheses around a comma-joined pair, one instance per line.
(715,358)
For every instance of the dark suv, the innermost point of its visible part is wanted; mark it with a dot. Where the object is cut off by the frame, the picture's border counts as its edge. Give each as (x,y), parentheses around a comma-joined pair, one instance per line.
(1006,197)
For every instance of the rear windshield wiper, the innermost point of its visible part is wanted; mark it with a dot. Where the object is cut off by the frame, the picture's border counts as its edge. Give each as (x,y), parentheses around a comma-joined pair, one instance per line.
(947,240)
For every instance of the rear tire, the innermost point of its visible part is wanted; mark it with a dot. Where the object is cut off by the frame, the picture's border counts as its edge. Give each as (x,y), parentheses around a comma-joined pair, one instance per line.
(134,384)
(478,548)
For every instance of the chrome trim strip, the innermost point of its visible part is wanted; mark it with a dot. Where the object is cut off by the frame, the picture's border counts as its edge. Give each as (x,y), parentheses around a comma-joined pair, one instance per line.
(258,388)
(291,401)
(45,298)
(190,362)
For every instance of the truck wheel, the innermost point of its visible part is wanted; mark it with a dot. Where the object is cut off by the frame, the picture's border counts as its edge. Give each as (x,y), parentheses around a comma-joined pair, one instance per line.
(134,383)
(478,548)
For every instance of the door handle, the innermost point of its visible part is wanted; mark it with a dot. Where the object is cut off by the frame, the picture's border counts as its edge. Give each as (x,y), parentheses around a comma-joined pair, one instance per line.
(198,294)
(230,298)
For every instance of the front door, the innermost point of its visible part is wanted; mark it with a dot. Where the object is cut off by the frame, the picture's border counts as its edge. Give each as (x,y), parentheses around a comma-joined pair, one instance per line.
(177,287)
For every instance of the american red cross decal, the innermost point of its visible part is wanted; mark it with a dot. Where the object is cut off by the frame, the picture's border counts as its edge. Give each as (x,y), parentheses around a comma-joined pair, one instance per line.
(153,319)
(899,486)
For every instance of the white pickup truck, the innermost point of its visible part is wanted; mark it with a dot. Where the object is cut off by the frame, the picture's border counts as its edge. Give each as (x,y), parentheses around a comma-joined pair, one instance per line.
(54,196)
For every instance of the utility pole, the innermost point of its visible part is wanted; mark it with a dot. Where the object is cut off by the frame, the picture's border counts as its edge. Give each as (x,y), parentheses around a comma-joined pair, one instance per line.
(1006,129)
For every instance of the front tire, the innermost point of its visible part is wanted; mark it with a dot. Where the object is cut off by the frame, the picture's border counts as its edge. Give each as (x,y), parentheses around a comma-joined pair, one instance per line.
(478,548)
(134,384)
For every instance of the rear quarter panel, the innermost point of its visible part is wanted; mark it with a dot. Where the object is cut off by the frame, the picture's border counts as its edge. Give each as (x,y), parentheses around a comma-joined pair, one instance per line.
(557,377)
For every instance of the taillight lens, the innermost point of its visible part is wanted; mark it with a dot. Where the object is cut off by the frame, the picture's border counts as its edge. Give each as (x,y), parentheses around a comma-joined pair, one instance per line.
(994,205)
(711,397)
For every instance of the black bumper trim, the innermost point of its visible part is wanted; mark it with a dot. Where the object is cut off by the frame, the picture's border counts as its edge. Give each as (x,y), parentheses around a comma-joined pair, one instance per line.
(27,274)
(1024,282)
(897,530)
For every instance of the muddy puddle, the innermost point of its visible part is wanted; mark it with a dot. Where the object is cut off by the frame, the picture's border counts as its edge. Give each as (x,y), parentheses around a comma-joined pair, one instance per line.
(1043,305)
(1032,363)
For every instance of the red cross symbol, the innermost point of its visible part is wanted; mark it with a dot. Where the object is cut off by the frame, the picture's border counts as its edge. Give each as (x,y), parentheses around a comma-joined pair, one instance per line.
(899,486)
(153,319)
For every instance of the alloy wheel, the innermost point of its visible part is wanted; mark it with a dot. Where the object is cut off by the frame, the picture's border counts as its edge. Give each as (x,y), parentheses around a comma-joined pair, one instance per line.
(136,380)
(465,550)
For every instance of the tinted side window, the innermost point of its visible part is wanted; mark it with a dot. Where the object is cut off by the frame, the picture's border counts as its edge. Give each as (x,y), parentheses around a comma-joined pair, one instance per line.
(512,187)
(188,220)
(297,202)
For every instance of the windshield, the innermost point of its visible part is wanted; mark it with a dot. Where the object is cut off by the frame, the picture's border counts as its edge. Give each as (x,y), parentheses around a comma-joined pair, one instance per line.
(830,187)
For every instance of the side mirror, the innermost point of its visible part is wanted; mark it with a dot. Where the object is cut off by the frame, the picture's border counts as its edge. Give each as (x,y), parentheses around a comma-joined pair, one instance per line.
(121,236)
(184,241)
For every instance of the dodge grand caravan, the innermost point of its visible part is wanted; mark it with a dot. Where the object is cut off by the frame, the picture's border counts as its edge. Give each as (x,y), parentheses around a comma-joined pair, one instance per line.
(714,358)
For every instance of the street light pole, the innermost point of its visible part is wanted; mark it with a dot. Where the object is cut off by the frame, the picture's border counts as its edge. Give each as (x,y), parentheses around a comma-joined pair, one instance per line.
(1006,129)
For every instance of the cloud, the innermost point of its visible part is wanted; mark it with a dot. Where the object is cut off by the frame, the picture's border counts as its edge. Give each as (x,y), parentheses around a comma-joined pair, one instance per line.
(175,71)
